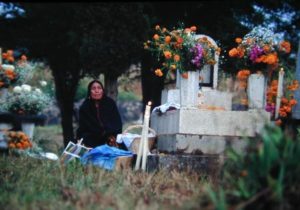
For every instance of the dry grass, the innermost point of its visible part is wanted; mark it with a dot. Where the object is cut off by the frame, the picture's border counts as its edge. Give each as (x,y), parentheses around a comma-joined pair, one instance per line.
(28,183)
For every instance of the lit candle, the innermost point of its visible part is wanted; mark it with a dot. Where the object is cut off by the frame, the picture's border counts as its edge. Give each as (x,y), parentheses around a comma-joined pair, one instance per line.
(143,147)
(279,92)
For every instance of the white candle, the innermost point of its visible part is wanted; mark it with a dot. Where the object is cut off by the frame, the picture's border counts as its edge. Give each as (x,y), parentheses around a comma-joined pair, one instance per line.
(143,147)
(279,92)
(145,135)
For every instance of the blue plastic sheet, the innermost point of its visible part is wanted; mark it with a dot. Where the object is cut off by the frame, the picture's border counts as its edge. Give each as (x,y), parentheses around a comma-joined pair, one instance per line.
(104,156)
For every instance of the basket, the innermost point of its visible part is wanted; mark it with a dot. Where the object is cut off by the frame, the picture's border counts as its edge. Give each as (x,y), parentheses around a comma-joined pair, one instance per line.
(134,146)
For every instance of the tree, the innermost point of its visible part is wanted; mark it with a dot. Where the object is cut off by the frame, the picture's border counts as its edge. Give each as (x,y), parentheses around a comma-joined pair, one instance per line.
(77,39)
(116,43)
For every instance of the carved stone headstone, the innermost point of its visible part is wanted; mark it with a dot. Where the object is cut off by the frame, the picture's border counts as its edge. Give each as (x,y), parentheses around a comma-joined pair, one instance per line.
(215,66)
(256,93)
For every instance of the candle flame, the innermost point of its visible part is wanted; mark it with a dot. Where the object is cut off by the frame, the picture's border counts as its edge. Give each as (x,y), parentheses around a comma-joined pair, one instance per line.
(149,103)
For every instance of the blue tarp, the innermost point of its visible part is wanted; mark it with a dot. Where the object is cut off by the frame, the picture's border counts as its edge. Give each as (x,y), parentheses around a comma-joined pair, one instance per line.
(104,156)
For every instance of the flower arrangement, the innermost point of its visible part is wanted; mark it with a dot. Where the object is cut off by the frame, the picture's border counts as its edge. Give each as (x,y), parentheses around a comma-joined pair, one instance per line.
(287,101)
(180,49)
(18,140)
(260,48)
(25,100)
(12,70)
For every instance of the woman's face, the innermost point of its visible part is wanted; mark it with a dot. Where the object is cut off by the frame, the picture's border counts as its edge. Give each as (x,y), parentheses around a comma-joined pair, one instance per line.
(96,91)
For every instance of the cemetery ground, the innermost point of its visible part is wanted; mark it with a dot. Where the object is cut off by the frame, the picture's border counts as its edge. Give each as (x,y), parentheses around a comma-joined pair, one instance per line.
(29,183)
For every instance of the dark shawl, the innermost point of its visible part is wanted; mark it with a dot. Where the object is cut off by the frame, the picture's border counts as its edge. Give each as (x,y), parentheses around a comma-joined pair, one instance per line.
(94,131)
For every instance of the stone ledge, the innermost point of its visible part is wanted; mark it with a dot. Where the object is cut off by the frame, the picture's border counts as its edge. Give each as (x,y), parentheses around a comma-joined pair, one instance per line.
(197,144)
(210,122)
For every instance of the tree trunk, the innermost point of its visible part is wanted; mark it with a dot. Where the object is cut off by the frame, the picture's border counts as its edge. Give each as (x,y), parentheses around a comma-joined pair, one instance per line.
(111,86)
(65,94)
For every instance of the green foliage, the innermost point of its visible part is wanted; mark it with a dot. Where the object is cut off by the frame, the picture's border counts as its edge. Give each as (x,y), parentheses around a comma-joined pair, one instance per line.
(269,170)
(26,100)
(127,96)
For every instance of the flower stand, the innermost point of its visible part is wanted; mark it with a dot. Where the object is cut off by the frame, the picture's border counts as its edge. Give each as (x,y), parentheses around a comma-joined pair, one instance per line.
(28,123)
(256,91)
(28,128)
(189,88)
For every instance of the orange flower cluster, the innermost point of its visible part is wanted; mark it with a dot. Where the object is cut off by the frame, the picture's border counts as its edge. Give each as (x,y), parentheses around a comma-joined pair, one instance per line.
(238,52)
(286,106)
(260,47)
(179,49)
(18,140)
(9,56)
(286,103)
(272,92)
(242,77)
(8,75)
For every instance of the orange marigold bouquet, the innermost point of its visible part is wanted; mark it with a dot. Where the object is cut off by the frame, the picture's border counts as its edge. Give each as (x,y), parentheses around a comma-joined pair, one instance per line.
(180,49)
(13,70)
(18,140)
(260,49)
(287,101)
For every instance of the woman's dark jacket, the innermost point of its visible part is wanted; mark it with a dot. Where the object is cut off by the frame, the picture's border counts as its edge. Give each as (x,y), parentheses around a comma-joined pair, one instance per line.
(95,131)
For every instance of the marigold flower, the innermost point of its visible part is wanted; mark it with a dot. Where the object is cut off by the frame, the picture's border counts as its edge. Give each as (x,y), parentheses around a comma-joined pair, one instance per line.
(158,72)
(4,55)
(156,37)
(167,54)
(173,67)
(10,59)
(23,58)
(168,39)
(285,46)
(293,102)
(238,40)
(176,58)
(10,52)
(284,100)
(179,40)
(185,75)
(193,28)
(233,52)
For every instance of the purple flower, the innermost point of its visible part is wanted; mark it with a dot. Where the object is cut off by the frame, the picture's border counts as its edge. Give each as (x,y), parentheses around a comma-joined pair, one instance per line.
(197,52)
(270,108)
(255,52)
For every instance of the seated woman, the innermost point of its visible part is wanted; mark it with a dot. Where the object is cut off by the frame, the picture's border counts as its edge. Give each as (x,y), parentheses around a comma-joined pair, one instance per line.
(99,118)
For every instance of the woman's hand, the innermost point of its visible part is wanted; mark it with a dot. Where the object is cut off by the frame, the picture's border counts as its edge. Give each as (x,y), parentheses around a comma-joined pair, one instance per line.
(111,141)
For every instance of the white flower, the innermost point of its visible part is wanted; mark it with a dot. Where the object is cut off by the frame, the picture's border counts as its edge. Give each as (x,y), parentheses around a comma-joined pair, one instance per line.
(38,90)
(17,89)
(26,88)
(7,67)
(43,83)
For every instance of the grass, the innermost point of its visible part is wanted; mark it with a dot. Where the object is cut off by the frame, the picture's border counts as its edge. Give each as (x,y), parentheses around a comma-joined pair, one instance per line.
(29,183)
